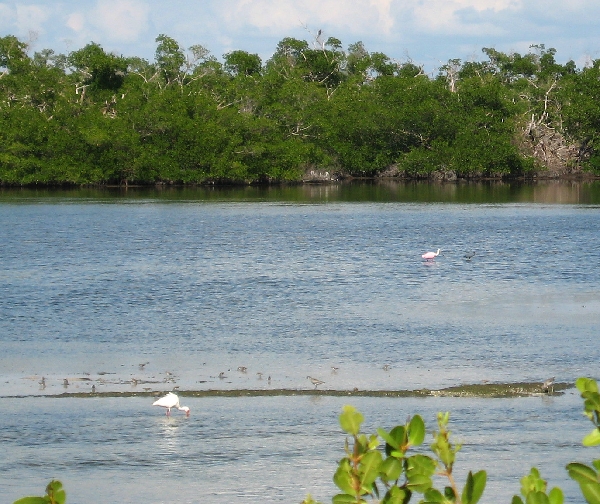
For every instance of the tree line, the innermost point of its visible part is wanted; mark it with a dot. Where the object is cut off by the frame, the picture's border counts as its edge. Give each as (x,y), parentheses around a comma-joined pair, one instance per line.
(92,117)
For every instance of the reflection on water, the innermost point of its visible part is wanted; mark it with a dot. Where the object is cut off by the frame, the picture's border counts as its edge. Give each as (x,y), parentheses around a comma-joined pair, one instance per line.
(542,191)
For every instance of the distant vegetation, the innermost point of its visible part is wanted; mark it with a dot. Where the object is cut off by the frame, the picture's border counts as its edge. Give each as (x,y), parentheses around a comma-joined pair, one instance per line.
(312,111)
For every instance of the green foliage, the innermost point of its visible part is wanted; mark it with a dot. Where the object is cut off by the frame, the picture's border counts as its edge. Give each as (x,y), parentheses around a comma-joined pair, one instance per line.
(588,477)
(54,495)
(93,117)
(242,63)
(533,488)
(364,471)
(98,69)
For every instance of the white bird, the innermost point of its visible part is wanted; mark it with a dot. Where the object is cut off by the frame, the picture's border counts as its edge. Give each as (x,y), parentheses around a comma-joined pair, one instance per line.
(315,382)
(430,255)
(171,401)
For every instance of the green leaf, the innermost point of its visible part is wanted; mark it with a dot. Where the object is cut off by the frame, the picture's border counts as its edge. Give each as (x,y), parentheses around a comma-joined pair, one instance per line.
(555,496)
(474,487)
(416,431)
(586,385)
(388,439)
(351,420)
(343,499)
(449,494)
(592,439)
(419,483)
(433,495)
(369,468)
(581,473)
(56,493)
(422,464)
(536,498)
(343,477)
(591,492)
(396,495)
(391,469)
(516,500)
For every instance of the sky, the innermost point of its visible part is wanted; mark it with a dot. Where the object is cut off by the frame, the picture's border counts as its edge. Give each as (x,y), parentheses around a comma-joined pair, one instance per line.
(425,32)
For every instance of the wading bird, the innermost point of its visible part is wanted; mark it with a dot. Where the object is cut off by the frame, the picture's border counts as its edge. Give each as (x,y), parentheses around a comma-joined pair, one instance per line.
(548,386)
(171,401)
(430,255)
(315,382)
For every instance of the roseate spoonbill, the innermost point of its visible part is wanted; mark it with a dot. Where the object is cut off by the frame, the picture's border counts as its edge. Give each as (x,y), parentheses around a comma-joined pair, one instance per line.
(430,255)
(548,386)
(171,401)
(315,382)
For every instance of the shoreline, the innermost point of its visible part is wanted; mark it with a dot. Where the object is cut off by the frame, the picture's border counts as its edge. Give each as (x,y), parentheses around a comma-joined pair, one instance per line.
(485,390)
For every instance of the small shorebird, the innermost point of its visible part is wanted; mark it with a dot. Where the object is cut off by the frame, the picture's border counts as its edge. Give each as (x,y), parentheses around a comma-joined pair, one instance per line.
(315,382)
(548,386)
(242,369)
(65,383)
(259,374)
(334,369)
(222,375)
(142,365)
(93,389)
(386,367)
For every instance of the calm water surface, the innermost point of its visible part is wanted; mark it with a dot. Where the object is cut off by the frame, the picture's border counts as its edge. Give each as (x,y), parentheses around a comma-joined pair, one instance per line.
(288,285)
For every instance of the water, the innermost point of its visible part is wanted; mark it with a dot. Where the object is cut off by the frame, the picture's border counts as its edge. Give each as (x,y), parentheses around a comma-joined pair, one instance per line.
(92,285)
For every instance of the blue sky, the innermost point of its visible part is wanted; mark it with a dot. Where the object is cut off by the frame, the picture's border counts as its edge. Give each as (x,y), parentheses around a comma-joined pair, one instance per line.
(426,32)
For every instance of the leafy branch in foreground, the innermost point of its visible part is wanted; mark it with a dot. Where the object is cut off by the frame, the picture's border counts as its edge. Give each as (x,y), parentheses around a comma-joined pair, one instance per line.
(54,495)
(400,474)
(589,477)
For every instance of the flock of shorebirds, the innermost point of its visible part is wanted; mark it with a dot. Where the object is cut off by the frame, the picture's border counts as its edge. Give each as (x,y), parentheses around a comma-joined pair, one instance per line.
(171,400)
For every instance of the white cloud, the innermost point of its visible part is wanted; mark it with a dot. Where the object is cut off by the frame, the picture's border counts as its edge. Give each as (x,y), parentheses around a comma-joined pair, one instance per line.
(120,20)
(30,18)
(276,16)
(448,16)
(7,17)
(76,21)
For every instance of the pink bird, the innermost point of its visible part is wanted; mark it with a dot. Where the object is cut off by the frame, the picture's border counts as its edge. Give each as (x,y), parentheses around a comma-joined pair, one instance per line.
(171,401)
(430,255)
